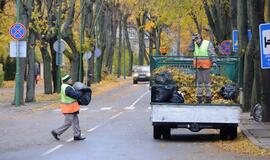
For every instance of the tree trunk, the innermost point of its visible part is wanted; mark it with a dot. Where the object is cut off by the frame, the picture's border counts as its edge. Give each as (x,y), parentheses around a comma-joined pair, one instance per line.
(246,62)
(31,81)
(242,26)
(120,46)
(89,28)
(221,27)
(47,67)
(178,48)
(140,22)
(257,11)
(248,76)
(128,45)
(68,37)
(157,42)
(233,13)
(101,39)
(268,11)
(109,62)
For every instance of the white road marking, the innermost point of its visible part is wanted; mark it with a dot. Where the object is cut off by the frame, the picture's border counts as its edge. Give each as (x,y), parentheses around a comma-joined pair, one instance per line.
(57,110)
(94,128)
(105,108)
(70,139)
(81,109)
(131,107)
(84,109)
(53,149)
(115,116)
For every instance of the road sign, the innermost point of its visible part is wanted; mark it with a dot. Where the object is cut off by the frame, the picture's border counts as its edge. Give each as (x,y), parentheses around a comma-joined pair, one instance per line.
(19,47)
(235,39)
(62,46)
(97,52)
(225,47)
(17,31)
(88,55)
(264,30)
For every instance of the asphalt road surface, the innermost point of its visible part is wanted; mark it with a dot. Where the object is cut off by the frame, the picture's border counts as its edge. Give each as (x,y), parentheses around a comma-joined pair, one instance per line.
(117,126)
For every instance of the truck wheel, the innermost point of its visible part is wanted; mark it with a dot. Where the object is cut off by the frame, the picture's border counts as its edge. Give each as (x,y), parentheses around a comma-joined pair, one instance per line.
(157,130)
(166,133)
(224,133)
(232,132)
(135,81)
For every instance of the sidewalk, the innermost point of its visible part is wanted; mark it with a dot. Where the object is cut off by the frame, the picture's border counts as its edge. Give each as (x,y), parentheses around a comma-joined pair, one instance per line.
(257,132)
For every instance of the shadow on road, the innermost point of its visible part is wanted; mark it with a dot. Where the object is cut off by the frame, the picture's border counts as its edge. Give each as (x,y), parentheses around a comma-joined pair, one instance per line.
(194,137)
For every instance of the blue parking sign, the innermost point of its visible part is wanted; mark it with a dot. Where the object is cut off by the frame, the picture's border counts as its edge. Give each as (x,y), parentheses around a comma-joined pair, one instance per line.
(264,30)
(235,39)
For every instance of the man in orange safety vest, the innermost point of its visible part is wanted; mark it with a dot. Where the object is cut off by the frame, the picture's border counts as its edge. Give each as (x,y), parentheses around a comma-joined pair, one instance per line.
(70,108)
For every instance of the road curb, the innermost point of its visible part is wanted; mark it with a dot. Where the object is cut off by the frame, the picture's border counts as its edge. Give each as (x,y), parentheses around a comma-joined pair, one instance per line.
(251,137)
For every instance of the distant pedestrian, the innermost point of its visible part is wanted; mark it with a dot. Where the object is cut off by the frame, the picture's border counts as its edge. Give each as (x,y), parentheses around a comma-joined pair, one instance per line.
(70,108)
(37,72)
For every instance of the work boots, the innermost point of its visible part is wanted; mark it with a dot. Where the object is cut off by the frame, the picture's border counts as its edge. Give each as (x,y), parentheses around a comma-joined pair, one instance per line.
(78,138)
(199,99)
(208,99)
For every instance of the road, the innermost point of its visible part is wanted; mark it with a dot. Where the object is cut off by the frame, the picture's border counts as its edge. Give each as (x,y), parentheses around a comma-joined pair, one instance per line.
(117,126)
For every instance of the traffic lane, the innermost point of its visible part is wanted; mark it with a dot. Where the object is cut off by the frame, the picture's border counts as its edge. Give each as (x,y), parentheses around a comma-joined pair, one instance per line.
(34,129)
(119,97)
(129,136)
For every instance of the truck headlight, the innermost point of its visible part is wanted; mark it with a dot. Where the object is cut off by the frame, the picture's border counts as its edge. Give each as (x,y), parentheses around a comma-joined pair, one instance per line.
(148,74)
(135,75)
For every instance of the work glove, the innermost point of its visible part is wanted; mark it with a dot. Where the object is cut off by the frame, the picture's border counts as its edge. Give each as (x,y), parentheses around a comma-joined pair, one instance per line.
(215,64)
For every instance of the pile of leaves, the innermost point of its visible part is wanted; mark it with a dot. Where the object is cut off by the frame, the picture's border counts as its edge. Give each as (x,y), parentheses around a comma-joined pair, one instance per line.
(187,85)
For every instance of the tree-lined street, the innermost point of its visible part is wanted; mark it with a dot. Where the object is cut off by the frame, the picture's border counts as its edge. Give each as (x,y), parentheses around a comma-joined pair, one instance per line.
(116,126)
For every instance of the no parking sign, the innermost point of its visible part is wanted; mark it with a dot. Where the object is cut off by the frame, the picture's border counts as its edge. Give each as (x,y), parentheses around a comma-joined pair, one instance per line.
(17,31)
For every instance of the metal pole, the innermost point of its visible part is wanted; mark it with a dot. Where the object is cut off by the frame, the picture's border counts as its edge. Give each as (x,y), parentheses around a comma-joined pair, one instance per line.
(17,77)
(81,40)
(58,71)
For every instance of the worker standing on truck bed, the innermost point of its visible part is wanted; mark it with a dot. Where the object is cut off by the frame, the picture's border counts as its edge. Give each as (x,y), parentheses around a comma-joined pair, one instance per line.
(204,59)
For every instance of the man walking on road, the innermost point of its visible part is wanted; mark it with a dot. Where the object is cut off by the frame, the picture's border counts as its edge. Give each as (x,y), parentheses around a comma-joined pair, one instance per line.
(70,108)
(204,58)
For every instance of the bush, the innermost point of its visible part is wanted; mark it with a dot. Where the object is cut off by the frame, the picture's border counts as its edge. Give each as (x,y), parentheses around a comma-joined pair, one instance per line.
(1,75)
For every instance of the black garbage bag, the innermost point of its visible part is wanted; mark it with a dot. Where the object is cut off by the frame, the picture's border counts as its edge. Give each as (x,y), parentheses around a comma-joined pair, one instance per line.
(86,92)
(164,78)
(86,97)
(229,91)
(177,97)
(162,93)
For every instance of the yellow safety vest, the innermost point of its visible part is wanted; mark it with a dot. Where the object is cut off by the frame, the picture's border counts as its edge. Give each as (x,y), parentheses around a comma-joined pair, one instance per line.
(68,104)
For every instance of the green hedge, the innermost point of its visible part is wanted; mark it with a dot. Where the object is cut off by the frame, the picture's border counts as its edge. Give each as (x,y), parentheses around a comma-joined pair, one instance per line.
(1,75)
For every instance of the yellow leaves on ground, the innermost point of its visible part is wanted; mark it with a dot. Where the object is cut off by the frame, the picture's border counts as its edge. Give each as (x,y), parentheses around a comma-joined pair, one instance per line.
(8,84)
(242,145)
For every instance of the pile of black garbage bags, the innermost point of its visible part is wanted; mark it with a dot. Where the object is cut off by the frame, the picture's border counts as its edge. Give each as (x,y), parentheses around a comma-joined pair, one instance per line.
(85,91)
(165,89)
(229,91)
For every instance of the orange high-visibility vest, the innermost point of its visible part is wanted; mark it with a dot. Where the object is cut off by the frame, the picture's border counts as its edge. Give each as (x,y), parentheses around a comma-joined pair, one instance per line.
(68,104)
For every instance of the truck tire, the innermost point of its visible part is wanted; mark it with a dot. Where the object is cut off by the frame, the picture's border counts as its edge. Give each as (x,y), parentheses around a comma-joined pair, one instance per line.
(224,133)
(232,132)
(157,131)
(135,81)
(166,133)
